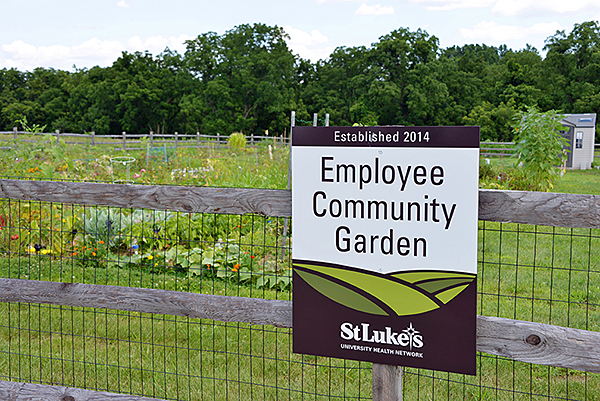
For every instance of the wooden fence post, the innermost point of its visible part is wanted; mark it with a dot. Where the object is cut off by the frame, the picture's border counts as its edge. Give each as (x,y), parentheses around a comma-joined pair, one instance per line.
(251,139)
(218,140)
(387,382)
(124,140)
(57,136)
(15,133)
(93,138)
(197,140)
(151,139)
(176,136)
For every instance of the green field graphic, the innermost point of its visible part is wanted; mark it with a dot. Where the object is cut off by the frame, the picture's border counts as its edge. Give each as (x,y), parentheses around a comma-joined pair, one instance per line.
(398,293)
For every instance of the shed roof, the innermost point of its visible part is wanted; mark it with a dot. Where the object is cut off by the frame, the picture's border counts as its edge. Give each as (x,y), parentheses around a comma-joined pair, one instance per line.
(580,120)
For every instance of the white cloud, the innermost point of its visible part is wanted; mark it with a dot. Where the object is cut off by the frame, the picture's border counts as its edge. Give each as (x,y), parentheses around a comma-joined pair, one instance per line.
(377,9)
(307,45)
(491,30)
(25,57)
(520,7)
(300,37)
(123,4)
(157,44)
(446,5)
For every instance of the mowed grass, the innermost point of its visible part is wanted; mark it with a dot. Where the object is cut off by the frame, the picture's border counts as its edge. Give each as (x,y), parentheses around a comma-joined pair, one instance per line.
(167,357)
(579,182)
(532,273)
(160,356)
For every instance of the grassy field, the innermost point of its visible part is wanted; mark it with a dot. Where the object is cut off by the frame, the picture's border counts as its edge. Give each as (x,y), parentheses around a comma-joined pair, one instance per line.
(540,274)
(579,182)
(572,181)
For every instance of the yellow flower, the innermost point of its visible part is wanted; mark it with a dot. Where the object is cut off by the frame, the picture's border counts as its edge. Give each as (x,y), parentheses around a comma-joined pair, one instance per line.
(150,257)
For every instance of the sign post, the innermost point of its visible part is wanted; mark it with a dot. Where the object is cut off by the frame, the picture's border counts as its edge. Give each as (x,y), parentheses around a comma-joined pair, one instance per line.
(385,244)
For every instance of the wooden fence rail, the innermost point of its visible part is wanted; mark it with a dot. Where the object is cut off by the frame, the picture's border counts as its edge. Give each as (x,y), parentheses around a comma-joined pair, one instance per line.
(10,391)
(522,341)
(133,141)
(538,343)
(540,208)
(496,148)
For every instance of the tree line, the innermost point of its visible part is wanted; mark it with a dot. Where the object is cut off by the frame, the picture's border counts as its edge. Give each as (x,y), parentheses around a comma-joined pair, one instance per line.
(248,80)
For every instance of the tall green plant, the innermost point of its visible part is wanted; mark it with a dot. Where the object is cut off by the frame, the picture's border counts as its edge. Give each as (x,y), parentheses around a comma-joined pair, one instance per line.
(539,145)
(237,140)
(33,129)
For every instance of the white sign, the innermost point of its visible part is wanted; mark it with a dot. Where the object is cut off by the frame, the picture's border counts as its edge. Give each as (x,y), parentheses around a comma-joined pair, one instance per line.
(386,209)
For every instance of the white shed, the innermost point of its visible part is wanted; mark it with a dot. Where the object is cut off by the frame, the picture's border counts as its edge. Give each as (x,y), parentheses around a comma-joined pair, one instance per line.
(580,131)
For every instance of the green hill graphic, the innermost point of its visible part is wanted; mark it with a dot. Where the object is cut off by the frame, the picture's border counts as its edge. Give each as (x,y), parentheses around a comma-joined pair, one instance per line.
(399,293)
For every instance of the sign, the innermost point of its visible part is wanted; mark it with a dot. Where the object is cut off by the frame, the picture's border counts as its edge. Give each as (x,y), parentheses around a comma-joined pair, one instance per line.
(384,244)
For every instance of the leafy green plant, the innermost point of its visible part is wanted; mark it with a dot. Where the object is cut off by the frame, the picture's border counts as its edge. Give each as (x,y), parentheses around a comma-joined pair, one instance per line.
(237,141)
(539,146)
(34,128)
(105,225)
(276,274)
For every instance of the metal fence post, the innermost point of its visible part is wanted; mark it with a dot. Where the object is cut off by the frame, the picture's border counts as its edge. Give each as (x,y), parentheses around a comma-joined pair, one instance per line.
(93,138)
(197,140)
(124,140)
(387,382)
(176,138)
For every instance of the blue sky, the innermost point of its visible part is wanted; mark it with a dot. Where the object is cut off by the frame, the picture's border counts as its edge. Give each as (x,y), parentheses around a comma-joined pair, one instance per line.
(65,33)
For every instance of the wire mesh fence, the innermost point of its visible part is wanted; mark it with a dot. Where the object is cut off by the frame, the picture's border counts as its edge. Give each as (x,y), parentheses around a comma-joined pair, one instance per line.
(530,273)
(160,356)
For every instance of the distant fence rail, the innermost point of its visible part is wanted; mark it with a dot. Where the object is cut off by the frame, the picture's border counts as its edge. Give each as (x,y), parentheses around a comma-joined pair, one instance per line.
(129,141)
(517,340)
(496,148)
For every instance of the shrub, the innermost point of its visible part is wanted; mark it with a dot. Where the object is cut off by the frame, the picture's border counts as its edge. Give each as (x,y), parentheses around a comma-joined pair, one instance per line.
(237,140)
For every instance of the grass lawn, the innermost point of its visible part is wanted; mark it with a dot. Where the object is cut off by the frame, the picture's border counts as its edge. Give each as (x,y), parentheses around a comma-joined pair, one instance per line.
(579,182)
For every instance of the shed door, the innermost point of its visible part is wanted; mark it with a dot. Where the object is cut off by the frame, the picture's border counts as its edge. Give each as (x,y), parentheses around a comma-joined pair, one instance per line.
(568,135)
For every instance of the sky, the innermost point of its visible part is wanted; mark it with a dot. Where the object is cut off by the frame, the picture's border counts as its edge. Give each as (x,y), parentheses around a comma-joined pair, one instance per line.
(77,34)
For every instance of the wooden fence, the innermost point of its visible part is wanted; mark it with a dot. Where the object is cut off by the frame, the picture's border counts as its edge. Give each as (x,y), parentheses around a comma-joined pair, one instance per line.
(530,342)
(496,149)
(130,141)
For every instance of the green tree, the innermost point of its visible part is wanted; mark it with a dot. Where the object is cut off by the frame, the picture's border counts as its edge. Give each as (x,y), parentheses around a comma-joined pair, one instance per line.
(246,78)
(395,55)
(495,121)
